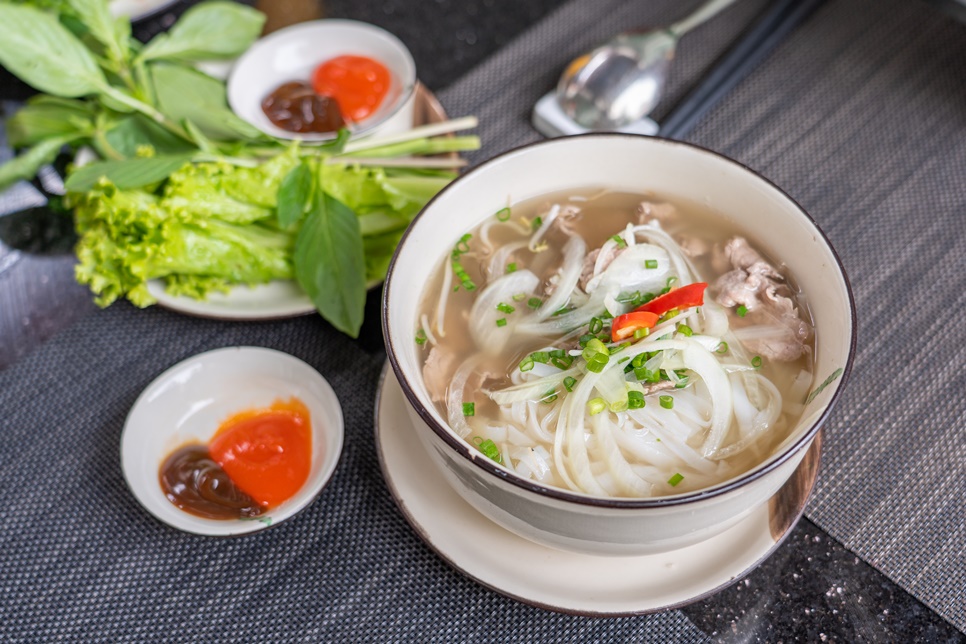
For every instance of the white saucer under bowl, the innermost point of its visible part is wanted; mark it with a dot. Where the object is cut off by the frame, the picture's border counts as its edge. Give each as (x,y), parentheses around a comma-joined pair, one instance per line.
(565,581)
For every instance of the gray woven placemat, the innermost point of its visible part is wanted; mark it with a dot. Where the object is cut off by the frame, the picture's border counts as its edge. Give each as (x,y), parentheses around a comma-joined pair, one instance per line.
(861,117)
(81,561)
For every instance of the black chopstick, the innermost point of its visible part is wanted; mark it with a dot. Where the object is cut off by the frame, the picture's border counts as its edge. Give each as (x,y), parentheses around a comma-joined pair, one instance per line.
(777,22)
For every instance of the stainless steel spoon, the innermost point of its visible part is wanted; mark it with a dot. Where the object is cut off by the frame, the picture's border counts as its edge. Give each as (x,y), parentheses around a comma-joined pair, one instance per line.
(623,80)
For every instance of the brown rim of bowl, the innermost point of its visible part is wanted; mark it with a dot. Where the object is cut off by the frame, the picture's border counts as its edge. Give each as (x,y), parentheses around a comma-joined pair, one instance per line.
(488,466)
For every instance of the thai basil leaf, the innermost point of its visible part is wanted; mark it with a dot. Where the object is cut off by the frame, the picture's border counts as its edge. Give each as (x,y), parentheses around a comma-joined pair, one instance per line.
(44,117)
(43,54)
(329,263)
(103,28)
(132,132)
(294,195)
(212,30)
(184,94)
(26,165)
(126,173)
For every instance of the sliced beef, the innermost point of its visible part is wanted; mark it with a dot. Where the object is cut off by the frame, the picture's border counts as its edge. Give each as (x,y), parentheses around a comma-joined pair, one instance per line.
(760,288)
(648,211)
(590,262)
(437,371)
(694,246)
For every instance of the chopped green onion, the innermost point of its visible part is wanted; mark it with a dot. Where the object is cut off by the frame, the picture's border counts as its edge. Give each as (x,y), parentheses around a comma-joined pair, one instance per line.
(598,362)
(501,322)
(629,298)
(562,310)
(667,402)
(674,480)
(534,302)
(639,360)
(596,325)
(635,400)
(584,339)
(469,409)
(463,246)
(596,346)
(505,308)
(503,214)
(644,374)
(569,383)
(536,223)
(623,360)
(526,364)
(742,310)
(511,267)
(756,362)
(685,330)
(619,241)
(596,405)
(549,397)
(618,405)
(540,356)
(561,359)
(682,382)
(722,348)
(641,333)
(420,337)
(465,280)
(519,297)
(489,448)
(650,263)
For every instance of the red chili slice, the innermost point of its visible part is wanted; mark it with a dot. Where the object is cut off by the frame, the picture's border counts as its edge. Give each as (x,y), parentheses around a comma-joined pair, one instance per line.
(679,298)
(625,325)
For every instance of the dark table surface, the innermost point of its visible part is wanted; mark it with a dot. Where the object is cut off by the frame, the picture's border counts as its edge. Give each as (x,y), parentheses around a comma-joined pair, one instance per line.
(811,589)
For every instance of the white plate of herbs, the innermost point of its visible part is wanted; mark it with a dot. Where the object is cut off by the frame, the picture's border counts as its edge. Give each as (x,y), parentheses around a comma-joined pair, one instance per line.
(185,193)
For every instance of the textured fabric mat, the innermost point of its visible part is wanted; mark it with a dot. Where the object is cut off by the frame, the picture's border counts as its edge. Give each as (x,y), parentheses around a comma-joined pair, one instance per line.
(80,560)
(861,117)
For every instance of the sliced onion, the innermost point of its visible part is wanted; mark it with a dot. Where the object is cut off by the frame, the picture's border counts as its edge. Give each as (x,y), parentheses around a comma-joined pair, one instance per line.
(489,337)
(569,274)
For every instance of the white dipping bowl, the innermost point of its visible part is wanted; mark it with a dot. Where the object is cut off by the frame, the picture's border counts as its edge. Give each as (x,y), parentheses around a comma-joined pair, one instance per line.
(578,522)
(188,402)
(293,53)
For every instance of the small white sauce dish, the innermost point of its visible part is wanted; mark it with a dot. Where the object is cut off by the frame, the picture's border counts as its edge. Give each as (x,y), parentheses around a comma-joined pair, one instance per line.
(293,53)
(188,402)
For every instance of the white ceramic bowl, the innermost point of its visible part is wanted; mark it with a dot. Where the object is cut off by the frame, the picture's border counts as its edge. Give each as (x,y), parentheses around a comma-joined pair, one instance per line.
(293,53)
(187,403)
(578,522)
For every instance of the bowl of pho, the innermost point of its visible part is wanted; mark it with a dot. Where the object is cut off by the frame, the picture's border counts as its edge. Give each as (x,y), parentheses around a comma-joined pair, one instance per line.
(615,344)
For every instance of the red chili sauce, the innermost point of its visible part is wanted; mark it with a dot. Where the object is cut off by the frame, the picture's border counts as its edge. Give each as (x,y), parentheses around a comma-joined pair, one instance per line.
(344,88)
(256,460)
